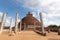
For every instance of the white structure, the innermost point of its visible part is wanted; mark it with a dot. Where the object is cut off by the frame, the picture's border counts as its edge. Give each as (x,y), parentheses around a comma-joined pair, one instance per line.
(42,23)
(16,23)
(10,28)
(3,21)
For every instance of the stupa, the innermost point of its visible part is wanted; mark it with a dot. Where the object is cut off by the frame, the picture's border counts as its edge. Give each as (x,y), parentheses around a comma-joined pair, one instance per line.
(29,22)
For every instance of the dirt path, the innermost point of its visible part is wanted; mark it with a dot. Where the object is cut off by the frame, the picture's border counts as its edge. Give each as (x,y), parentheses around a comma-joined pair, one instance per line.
(29,35)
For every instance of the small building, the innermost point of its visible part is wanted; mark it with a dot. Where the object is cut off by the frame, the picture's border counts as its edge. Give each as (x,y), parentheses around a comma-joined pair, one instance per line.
(29,22)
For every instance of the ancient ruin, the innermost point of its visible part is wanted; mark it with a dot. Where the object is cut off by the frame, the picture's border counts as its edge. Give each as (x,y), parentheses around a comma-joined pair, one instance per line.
(29,22)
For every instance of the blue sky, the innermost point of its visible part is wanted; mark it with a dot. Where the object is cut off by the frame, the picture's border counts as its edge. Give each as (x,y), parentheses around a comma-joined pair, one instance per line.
(10,8)
(49,8)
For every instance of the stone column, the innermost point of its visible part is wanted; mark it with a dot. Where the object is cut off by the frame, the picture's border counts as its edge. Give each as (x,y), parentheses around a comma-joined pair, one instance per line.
(10,28)
(48,30)
(3,21)
(16,23)
(43,32)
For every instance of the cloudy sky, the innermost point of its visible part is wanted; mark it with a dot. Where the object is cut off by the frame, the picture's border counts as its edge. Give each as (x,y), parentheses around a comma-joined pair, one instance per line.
(50,10)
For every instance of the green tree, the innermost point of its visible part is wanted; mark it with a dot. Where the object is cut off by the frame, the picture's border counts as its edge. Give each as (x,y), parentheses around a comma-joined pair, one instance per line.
(52,26)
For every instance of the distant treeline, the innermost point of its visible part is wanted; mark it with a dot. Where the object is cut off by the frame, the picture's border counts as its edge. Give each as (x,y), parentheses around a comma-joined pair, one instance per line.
(53,28)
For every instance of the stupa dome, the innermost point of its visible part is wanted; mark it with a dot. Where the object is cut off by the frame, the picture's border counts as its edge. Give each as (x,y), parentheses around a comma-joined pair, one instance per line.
(30,20)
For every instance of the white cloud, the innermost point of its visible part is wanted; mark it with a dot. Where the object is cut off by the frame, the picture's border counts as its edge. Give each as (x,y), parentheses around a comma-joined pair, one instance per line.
(1,14)
(8,19)
(47,2)
(32,4)
(49,8)
(19,20)
(52,7)
(7,22)
(34,14)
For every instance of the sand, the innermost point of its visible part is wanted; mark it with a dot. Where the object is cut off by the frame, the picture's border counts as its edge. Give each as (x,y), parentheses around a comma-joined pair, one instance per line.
(29,35)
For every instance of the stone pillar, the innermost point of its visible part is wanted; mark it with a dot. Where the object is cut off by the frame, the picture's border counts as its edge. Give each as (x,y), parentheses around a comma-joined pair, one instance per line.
(10,28)
(20,24)
(16,23)
(3,21)
(48,30)
(43,32)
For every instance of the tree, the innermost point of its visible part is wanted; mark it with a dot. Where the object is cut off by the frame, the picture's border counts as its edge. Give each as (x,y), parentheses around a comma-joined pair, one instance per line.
(53,28)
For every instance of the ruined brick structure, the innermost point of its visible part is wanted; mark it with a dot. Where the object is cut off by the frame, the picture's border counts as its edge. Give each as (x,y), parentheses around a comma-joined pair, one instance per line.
(29,21)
